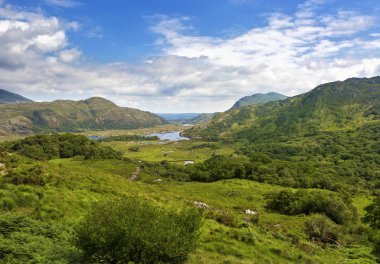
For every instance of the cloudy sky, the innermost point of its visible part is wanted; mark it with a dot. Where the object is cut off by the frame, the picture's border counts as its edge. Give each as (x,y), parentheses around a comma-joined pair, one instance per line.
(183,56)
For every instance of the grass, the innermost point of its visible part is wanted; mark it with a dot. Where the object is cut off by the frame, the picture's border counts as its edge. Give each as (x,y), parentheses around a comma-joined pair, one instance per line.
(172,151)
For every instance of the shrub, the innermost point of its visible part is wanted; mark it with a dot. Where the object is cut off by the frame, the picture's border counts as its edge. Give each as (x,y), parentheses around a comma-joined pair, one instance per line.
(320,229)
(223,217)
(372,216)
(7,204)
(25,240)
(304,202)
(134,149)
(132,230)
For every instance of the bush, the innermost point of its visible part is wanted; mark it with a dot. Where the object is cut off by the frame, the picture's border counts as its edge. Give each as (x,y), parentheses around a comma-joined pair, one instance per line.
(25,240)
(320,229)
(134,149)
(304,202)
(132,230)
(372,216)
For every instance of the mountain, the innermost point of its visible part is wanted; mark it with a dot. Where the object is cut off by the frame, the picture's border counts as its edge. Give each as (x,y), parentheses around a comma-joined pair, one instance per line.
(327,138)
(9,98)
(202,118)
(65,115)
(335,106)
(259,98)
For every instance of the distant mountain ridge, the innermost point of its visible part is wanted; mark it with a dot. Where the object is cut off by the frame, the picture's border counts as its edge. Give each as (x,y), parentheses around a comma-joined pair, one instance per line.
(335,106)
(259,98)
(7,97)
(65,115)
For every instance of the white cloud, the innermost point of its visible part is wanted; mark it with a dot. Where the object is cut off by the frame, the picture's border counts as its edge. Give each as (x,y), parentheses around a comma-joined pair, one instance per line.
(290,54)
(63,3)
(70,55)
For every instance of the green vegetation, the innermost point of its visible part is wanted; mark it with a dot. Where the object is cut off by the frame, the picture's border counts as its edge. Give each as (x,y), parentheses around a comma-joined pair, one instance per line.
(45,147)
(321,230)
(130,230)
(304,202)
(327,138)
(372,217)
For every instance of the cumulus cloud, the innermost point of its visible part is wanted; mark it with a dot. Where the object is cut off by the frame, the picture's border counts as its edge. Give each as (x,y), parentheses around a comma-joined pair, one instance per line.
(290,54)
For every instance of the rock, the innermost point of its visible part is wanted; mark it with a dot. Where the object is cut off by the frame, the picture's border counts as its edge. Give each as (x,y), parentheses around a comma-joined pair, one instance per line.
(134,177)
(201,205)
(250,212)
(158,180)
(188,162)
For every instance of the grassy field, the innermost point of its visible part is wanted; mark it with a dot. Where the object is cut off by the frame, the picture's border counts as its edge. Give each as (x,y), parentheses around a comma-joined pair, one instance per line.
(76,184)
(172,151)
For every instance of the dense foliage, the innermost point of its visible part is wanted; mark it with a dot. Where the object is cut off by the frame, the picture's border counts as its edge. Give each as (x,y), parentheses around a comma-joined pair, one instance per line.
(131,230)
(320,229)
(45,147)
(309,202)
(327,138)
(25,240)
(372,216)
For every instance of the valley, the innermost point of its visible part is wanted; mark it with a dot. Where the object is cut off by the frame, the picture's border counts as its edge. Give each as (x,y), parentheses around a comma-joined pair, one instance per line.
(290,181)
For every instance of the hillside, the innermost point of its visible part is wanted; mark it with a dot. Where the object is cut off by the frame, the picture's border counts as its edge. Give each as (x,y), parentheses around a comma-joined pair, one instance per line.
(10,98)
(326,138)
(65,115)
(259,98)
(331,107)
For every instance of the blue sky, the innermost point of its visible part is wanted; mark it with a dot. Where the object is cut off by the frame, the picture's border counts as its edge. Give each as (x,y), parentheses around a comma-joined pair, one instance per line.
(183,55)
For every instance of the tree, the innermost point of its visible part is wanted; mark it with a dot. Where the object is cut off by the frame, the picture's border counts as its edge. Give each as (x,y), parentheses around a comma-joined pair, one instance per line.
(372,216)
(132,230)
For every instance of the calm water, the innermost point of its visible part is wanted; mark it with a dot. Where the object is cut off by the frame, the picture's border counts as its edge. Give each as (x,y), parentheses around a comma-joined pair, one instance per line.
(171,136)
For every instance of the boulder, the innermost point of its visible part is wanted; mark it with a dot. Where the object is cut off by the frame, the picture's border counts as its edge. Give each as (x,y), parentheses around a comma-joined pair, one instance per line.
(251,212)
(201,205)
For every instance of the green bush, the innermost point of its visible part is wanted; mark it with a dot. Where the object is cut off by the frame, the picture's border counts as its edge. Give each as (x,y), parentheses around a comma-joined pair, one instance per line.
(134,149)
(372,216)
(321,229)
(25,240)
(7,204)
(305,202)
(132,230)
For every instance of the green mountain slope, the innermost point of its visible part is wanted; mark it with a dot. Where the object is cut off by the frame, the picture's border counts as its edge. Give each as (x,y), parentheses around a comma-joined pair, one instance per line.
(259,98)
(9,98)
(331,107)
(65,115)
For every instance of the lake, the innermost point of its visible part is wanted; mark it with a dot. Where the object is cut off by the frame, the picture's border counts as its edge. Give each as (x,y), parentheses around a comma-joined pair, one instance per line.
(171,136)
